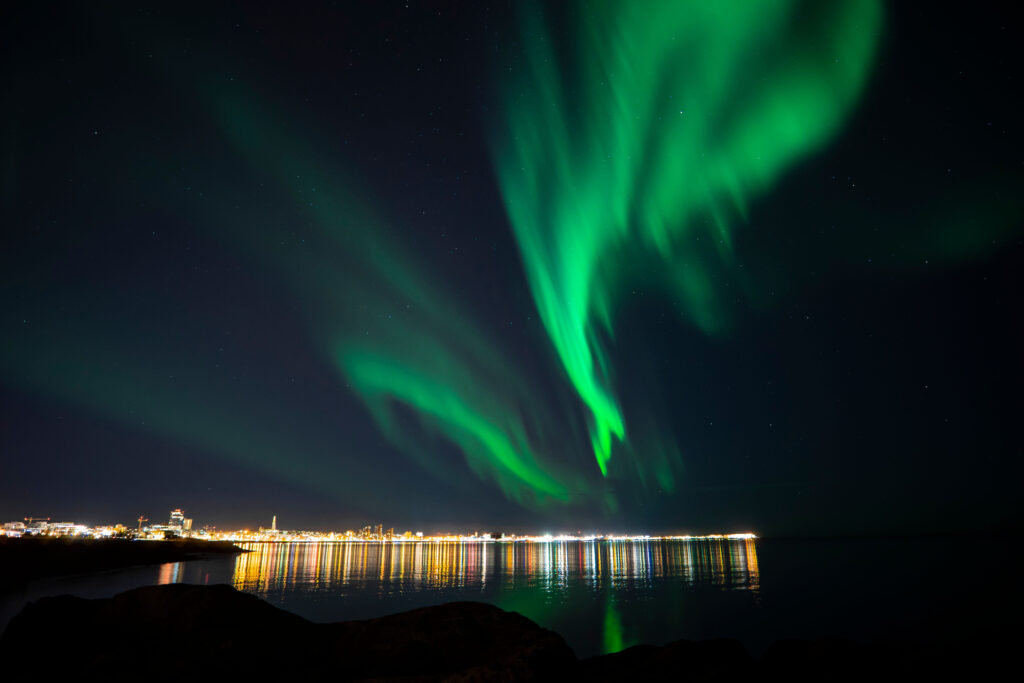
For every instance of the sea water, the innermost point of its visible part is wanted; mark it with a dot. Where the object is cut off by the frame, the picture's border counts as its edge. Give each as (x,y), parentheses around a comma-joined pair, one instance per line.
(603,596)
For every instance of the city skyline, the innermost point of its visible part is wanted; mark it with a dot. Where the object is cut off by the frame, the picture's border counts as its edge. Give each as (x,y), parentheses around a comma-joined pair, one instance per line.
(180,526)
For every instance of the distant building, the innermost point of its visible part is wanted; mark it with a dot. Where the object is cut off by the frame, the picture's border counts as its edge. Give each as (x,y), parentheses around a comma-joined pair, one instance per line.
(273,527)
(12,529)
(177,519)
(66,529)
(36,525)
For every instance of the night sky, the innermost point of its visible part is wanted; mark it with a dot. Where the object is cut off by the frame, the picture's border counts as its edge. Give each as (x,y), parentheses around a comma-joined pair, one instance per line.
(463,265)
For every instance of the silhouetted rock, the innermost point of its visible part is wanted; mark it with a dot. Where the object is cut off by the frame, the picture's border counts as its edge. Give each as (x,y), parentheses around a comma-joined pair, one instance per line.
(689,660)
(480,641)
(828,659)
(186,629)
(178,625)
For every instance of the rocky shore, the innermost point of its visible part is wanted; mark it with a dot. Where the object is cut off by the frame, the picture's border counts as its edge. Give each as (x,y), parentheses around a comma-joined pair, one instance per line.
(184,631)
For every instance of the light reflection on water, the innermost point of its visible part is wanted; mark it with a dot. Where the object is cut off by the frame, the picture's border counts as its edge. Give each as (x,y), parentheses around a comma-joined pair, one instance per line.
(601,596)
(271,568)
(169,573)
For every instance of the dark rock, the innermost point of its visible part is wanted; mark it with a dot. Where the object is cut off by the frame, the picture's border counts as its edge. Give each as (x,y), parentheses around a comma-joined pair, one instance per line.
(475,640)
(689,660)
(826,659)
(180,627)
(166,632)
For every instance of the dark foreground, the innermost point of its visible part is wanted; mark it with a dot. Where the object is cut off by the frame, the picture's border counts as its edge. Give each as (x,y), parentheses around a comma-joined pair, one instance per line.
(174,631)
(28,558)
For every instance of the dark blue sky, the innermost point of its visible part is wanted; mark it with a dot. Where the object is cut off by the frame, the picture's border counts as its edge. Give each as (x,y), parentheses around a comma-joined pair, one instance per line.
(161,346)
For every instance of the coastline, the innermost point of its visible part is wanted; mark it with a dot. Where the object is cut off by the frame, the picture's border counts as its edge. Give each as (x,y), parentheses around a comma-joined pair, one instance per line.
(25,559)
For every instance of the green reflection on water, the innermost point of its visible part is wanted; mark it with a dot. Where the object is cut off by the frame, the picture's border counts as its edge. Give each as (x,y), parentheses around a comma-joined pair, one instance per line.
(613,638)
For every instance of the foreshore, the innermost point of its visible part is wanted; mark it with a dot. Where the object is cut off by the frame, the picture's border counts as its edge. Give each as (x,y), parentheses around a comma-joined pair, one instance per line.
(181,630)
(28,558)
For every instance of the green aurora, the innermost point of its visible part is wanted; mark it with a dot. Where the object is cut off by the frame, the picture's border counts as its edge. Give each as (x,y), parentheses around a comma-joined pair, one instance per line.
(645,137)
(241,284)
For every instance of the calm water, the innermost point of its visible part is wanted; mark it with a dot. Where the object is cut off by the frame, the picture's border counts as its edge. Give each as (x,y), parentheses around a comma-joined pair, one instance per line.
(603,596)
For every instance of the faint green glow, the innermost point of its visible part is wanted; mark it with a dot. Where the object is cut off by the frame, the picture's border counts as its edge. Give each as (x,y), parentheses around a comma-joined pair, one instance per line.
(654,127)
(613,638)
(135,375)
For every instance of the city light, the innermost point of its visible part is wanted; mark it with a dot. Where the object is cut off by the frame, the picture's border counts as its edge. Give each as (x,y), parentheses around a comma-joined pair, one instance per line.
(179,526)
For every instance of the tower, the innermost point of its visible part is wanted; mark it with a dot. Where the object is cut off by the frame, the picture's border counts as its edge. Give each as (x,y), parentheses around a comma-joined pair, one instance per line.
(273,524)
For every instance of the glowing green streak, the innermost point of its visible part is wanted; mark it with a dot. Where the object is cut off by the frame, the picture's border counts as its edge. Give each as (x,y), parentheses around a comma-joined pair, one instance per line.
(395,333)
(378,378)
(652,129)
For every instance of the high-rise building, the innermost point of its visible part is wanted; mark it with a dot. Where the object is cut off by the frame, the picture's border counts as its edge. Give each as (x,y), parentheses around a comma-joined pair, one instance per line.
(177,519)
